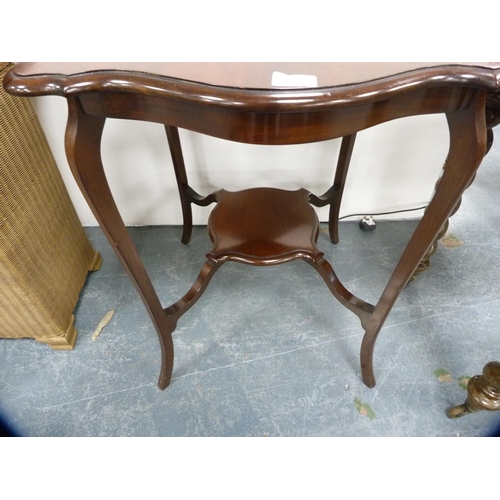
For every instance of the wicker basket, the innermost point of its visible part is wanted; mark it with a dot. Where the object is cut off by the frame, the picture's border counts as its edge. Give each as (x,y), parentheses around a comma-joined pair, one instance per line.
(44,252)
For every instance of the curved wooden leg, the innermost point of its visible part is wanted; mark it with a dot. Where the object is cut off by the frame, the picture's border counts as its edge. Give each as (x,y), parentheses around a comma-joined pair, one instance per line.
(182,181)
(186,193)
(492,113)
(344,161)
(359,307)
(425,263)
(175,311)
(483,392)
(82,141)
(467,146)
(333,196)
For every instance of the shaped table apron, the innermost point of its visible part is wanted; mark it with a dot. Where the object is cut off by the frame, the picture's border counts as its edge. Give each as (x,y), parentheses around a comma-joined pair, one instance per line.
(275,125)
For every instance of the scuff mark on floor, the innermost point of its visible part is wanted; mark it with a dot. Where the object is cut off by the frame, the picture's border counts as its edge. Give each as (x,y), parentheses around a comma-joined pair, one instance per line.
(364,409)
(450,241)
(463,381)
(443,375)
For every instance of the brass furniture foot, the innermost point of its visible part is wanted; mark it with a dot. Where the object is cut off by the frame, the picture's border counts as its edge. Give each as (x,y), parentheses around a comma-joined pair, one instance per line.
(483,392)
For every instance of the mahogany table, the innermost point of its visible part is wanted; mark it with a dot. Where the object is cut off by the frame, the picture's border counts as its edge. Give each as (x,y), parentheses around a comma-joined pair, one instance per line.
(250,103)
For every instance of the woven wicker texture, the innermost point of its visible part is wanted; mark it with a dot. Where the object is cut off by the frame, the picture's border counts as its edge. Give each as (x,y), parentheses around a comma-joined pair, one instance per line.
(44,252)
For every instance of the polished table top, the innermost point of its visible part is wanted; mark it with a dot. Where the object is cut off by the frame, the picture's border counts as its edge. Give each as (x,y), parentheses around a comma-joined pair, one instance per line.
(258,75)
(212,97)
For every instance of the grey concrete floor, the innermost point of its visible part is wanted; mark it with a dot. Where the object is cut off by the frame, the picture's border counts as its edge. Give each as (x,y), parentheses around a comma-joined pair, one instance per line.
(269,351)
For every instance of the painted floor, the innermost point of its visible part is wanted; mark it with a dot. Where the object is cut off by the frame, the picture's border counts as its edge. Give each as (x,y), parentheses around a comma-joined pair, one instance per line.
(269,351)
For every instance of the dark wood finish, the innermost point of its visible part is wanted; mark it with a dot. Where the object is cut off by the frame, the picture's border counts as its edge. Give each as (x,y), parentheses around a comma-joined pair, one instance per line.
(221,83)
(263,226)
(492,113)
(83,141)
(333,196)
(186,193)
(236,101)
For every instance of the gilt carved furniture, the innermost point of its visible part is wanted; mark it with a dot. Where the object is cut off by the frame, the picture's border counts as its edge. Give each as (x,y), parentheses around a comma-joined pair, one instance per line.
(239,102)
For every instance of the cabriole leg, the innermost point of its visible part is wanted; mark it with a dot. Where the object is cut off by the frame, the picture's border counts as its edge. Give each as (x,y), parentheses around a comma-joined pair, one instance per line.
(83,143)
(467,147)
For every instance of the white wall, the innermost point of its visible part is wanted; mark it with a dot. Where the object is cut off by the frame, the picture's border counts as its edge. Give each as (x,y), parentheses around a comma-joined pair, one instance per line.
(394,166)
